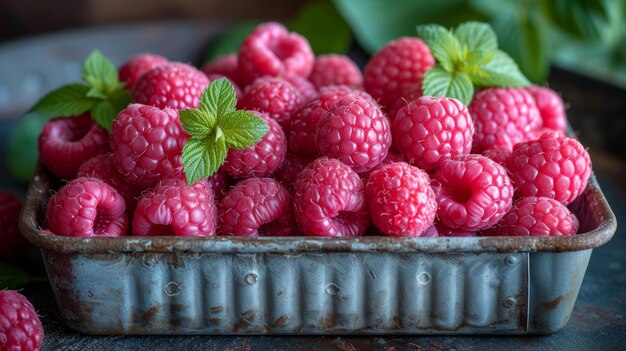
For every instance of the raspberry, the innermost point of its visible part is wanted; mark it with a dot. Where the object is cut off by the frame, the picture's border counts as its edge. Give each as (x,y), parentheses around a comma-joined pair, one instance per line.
(220,181)
(293,164)
(147,143)
(396,71)
(430,232)
(354,131)
(304,123)
(104,168)
(136,66)
(279,99)
(551,108)
(13,245)
(65,143)
(500,155)
(175,85)
(329,200)
(87,207)
(224,66)
(429,130)
(444,230)
(335,70)
(257,206)
(306,89)
(536,216)
(175,208)
(502,117)
(20,327)
(271,50)
(400,199)
(260,159)
(473,192)
(553,166)
(392,157)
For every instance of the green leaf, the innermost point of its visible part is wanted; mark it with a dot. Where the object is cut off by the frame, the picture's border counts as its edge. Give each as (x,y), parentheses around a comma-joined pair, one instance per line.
(502,71)
(100,73)
(197,123)
(439,82)
(120,99)
(230,41)
(12,277)
(68,100)
(218,98)
(95,93)
(444,46)
(322,25)
(242,129)
(477,36)
(202,157)
(104,113)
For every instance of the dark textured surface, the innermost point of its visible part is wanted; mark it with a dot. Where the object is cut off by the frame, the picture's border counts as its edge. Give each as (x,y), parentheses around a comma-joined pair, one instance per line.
(599,317)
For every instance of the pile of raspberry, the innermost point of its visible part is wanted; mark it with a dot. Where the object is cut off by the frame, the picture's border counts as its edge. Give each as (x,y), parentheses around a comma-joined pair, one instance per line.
(347,153)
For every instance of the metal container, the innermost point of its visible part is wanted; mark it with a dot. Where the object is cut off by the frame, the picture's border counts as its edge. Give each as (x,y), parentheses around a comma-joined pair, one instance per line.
(307,285)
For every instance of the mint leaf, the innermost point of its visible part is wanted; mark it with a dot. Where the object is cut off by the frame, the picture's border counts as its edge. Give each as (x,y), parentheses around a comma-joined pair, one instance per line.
(104,113)
(214,127)
(242,129)
(197,123)
(100,73)
(202,157)
(12,277)
(444,46)
(439,82)
(500,70)
(218,98)
(68,100)
(477,36)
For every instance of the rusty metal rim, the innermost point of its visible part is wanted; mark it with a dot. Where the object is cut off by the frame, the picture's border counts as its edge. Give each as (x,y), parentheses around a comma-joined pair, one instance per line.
(39,190)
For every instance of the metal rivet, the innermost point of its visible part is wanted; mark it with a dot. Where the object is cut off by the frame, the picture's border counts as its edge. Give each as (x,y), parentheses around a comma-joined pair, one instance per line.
(251,279)
(172,289)
(332,289)
(510,260)
(148,261)
(510,301)
(423,278)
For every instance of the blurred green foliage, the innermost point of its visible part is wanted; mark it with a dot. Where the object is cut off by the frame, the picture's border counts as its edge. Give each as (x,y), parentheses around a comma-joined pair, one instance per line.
(22,151)
(581,35)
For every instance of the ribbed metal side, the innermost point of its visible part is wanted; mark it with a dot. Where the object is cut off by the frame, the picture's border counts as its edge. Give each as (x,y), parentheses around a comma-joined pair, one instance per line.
(377,293)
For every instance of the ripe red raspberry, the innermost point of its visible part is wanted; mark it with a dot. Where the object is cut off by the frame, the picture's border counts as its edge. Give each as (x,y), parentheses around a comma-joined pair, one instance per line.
(260,159)
(147,143)
(293,164)
(131,70)
(175,85)
(175,208)
(87,207)
(304,123)
(335,70)
(500,155)
(396,71)
(392,157)
(502,117)
(329,200)
(279,99)
(104,168)
(20,327)
(238,93)
(257,206)
(400,200)
(551,108)
(65,143)
(429,130)
(536,216)
(306,89)
(354,131)
(553,166)
(473,192)
(445,231)
(271,50)
(226,66)
(220,181)
(430,232)
(13,245)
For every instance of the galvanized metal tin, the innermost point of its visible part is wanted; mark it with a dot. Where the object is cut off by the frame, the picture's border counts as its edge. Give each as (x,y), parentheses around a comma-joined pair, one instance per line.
(305,285)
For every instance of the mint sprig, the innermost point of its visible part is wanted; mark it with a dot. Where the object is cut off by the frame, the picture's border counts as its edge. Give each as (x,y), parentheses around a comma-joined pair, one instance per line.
(215,126)
(102,94)
(467,56)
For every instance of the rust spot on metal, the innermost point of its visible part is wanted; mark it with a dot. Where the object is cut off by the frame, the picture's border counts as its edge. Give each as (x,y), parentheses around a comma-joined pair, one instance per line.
(398,324)
(280,321)
(553,304)
(437,345)
(345,346)
(415,346)
(147,317)
(216,309)
(327,322)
